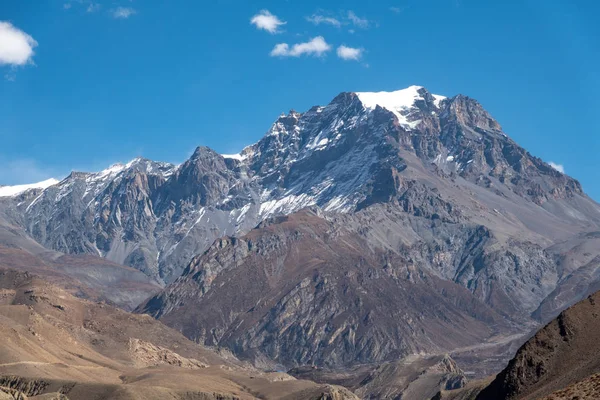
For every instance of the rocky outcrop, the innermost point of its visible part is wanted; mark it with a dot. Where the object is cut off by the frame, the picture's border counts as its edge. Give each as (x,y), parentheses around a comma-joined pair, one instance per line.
(146,354)
(415,377)
(328,392)
(21,388)
(304,290)
(587,389)
(418,379)
(562,353)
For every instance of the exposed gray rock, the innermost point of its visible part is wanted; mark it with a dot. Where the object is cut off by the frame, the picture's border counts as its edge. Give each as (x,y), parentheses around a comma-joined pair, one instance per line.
(303,290)
(343,157)
(456,224)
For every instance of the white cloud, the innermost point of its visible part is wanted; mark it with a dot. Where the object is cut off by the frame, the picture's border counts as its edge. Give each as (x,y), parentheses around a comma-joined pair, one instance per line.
(280,50)
(16,46)
(267,21)
(396,10)
(315,47)
(123,12)
(66,6)
(358,21)
(321,19)
(559,167)
(349,53)
(93,7)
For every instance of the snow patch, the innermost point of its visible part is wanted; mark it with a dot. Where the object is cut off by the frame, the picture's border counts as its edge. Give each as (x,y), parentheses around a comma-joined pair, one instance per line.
(397,102)
(438,99)
(8,191)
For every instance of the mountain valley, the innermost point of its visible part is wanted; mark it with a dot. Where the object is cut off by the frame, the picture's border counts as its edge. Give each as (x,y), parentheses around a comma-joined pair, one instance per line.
(386,245)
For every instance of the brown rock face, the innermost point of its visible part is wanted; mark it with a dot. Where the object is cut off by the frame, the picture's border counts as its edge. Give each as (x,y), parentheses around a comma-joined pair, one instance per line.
(146,354)
(587,389)
(304,290)
(562,353)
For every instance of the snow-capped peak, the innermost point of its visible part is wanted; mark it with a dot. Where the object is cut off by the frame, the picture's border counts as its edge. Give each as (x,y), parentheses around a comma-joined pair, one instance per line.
(8,191)
(438,99)
(396,102)
(135,161)
(112,170)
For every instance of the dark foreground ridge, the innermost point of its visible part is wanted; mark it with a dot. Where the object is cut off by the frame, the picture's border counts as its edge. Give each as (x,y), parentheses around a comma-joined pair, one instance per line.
(559,362)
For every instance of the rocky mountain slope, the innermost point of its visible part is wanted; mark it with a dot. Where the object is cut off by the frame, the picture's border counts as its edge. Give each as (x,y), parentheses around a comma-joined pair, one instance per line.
(85,275)
(562,353)
(415,377)
(588,389)
(560,361)
(422,208)
(361,149)
(303,290)
(57,345)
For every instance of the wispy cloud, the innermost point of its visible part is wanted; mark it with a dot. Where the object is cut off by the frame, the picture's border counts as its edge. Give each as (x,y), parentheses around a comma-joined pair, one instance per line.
(396,10)
(559,167)
(338,20)
(90,6)
(349,53)
(123,12)
(318,19)
(357,21)
(315,47)
(11,75)
(16,48)
(93,7)
(266,21)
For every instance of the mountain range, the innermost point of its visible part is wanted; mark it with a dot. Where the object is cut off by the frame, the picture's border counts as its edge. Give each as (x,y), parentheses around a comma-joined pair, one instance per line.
(375,228)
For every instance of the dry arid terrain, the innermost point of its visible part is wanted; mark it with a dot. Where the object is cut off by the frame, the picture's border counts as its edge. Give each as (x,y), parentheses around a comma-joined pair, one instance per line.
(588,389)
(55,343)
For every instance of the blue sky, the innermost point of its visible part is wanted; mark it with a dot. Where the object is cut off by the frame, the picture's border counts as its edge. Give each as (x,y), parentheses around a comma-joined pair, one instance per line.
(111,80)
